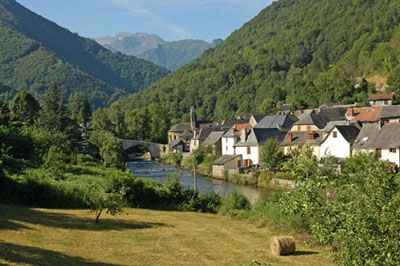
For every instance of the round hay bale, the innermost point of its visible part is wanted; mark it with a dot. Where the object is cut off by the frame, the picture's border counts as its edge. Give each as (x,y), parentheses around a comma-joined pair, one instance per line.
(283,245)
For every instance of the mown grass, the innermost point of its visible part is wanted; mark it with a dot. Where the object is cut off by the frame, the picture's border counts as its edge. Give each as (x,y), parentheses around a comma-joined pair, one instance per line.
(138,237)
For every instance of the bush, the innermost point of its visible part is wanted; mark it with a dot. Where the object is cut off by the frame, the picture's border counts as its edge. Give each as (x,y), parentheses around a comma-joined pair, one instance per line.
(174,159)
(235,204)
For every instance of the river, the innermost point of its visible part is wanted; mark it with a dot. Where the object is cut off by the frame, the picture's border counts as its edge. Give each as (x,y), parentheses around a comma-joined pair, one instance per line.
(159,172)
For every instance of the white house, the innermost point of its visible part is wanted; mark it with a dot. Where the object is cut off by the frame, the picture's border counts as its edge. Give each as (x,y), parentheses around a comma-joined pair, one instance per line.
(233,136)
(385,141)
(251,149)
(339,141)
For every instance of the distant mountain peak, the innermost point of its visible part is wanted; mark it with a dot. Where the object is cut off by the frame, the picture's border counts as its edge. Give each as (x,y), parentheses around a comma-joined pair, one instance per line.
(153,48)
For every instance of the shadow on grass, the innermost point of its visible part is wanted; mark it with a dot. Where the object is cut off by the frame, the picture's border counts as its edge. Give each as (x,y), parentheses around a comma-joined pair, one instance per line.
(304,253)
(36,256)
(10,216)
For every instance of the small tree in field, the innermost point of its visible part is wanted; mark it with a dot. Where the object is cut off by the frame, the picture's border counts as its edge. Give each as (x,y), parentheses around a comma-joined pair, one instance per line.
(98,201)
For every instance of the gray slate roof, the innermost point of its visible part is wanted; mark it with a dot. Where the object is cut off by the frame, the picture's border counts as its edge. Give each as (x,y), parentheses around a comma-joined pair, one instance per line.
(175,142)
(283,122)
(206,131)
(181,127)
(258,136)
(392,111)
(367,132)
(225,159)
(311,118)
(385,138)
(214,137)
(235,121)
(300,138)
(259,117)
(333,113)
(187,135)
(350,133)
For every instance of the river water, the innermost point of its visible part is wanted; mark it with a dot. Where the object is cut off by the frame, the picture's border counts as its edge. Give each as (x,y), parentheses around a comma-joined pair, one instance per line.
(159,172)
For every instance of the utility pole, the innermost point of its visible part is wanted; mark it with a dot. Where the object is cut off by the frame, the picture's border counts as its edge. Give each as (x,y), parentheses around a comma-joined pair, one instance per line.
(195,158)
(194,176)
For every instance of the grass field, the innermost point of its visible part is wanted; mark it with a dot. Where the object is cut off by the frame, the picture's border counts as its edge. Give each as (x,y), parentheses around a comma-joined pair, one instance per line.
(137,237)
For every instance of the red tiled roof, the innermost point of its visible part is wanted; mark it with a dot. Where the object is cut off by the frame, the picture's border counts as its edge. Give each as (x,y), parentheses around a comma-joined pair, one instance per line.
(364,114)
(381,97)
(239,127)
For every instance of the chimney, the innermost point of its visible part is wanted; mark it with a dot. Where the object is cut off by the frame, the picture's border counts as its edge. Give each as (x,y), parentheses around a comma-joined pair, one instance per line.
(290,138)
(243,135)
(351,112)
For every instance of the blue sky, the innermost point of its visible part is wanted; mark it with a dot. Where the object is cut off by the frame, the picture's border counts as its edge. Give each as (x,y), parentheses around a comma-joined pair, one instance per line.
(170,19)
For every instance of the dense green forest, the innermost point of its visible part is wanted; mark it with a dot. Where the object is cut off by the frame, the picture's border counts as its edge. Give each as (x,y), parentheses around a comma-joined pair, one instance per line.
(303,52)
(150,47)
(35,52)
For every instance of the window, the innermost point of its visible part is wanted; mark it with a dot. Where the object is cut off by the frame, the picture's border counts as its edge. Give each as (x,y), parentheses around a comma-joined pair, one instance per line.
(226,140)
(335,134)
(379,151)
(385,121)
(393,150)
(226,148)
(311,136)
(248,150)
(298,128)
(308,128)
(239,164)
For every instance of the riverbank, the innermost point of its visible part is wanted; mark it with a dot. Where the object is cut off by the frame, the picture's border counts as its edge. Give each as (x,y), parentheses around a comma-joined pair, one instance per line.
(266,180)
(160,172)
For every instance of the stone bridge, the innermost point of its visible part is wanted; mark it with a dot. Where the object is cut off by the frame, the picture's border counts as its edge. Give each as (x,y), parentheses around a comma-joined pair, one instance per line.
(156,149)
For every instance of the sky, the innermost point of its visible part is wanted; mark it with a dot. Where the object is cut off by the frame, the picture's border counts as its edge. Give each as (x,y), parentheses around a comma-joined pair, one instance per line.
(170,19)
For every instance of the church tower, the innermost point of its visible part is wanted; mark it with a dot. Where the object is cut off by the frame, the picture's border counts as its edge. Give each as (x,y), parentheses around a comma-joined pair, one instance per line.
(193,119)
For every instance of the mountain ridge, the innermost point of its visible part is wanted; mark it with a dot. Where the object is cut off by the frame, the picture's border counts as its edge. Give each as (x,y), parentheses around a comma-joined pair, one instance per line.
(37,52)
(150,47)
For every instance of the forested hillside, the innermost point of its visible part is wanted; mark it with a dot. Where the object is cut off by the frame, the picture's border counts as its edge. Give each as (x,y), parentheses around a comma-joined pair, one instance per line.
(303,52)
(150,47)
(35,52)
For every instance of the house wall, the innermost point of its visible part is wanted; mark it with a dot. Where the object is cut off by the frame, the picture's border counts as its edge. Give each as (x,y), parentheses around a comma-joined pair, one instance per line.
(227,146)
(393,157)
(232,166)
(380,103)
(338,147)
(298,128)
(218,148)
(252,121)
(194,145)
(254,154)
(173,135)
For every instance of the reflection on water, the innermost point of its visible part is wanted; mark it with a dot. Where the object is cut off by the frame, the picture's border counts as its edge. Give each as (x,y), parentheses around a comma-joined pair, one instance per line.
(159,172)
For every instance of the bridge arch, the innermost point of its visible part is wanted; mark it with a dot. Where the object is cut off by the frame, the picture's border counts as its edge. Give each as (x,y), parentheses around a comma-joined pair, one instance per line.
(156,150)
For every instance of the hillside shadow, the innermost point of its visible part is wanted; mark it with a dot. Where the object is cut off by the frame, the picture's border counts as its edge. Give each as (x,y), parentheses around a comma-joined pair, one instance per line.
(9,220)
(36,256)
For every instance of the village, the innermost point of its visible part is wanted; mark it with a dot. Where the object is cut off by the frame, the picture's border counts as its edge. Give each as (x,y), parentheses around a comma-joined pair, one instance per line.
(330,130)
